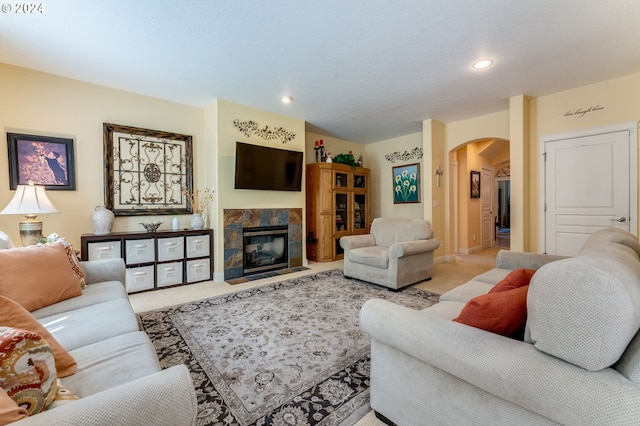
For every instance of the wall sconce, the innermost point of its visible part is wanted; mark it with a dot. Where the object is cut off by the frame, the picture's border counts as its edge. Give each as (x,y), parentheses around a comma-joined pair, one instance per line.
(439,172)
(30,200)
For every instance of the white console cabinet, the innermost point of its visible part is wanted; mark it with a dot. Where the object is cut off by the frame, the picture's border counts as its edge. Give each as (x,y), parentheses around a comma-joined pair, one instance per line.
(155,259)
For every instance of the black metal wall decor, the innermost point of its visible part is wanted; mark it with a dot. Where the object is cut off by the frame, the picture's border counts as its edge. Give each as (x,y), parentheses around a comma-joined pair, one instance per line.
(415,153)
(266,133)
(146,171)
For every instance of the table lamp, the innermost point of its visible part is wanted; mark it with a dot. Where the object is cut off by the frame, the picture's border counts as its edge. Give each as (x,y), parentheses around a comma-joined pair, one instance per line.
(30,200)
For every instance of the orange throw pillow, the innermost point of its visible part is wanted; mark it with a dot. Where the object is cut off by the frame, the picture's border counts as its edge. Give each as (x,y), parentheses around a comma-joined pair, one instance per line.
(516,278)
(9,410)
(14,315)
(503,312)
(37,276)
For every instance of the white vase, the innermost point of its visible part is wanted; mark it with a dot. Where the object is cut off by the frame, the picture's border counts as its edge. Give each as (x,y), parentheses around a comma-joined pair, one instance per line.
(197,222)
(101,220)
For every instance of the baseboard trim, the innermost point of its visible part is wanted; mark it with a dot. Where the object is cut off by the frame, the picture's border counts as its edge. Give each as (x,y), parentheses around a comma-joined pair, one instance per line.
(470,250)
(445,259)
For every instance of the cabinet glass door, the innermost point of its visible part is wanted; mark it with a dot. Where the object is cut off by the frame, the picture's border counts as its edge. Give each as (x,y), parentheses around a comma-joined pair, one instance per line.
(359,181)
(341,180)
(359,212)
(342,212)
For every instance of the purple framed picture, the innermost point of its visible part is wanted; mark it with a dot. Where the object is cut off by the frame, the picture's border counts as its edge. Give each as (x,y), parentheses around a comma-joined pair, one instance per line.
(43,160)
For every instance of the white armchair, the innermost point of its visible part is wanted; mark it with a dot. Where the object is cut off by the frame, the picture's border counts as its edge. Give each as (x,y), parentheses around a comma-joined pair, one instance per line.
(397,252)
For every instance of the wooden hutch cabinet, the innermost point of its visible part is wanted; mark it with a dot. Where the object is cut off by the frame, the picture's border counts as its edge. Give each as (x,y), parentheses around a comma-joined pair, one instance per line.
(338,204)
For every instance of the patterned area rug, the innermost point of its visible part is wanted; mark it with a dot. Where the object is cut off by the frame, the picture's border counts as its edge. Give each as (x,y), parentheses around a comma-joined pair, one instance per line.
(289,353)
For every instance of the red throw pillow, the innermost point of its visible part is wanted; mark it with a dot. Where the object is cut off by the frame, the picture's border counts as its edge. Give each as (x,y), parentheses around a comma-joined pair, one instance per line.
(503,312)
(516,278)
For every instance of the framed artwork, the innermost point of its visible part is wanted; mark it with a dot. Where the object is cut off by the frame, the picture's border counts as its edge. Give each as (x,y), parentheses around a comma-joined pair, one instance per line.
(43,160)
(406,184)
(475,184)
(147,171)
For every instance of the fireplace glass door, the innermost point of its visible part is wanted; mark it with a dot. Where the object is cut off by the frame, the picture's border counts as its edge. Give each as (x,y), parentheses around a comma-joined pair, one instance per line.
(265,249)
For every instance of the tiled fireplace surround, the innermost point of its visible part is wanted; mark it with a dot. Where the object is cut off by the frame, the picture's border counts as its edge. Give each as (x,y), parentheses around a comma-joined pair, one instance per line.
(237,219)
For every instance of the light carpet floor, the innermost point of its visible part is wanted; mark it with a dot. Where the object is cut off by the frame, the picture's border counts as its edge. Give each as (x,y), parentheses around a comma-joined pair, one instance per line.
(445,277)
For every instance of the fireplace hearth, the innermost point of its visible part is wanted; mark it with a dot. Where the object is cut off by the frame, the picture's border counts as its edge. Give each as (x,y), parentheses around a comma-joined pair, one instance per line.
(236,221)
(265,249)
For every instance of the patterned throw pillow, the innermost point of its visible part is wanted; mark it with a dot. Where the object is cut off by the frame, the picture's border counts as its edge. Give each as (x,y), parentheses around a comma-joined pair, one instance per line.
(71,254)
(64,396)
(27,369)
(75,265)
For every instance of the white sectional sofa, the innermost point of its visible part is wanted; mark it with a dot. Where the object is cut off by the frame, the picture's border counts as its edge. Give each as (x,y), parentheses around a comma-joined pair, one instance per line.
(118,379)
(579,363)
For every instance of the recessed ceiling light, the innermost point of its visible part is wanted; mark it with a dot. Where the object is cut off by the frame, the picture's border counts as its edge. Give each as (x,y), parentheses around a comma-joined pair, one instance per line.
(286,99)
(482,64)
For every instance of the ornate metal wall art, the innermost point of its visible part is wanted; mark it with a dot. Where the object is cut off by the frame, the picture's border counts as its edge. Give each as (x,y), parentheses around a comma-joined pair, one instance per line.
(146,171)
(249,127)
(504,170)
(405,156)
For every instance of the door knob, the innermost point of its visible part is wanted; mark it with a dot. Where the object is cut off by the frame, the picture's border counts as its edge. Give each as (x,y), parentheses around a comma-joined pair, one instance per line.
(620,219)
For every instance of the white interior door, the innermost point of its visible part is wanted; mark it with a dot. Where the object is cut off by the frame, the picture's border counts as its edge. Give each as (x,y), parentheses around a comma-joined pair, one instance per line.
(589,185)
(486,195)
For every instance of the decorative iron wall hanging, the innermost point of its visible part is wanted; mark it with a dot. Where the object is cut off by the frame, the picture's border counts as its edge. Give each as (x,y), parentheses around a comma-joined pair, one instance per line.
(146,171)
(404,156)
(249,127)
(504,170)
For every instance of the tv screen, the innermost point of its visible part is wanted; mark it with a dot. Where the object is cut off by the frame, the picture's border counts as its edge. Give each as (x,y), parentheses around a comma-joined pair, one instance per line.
(261,167)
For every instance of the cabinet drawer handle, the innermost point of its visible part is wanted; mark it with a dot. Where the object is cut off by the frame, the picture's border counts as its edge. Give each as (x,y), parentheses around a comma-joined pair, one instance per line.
(198,241)
(172,244)
(169,269)
(139,273)
(141,245)
(103,248)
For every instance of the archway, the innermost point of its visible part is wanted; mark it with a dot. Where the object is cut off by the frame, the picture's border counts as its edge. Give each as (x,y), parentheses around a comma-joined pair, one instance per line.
(474,212)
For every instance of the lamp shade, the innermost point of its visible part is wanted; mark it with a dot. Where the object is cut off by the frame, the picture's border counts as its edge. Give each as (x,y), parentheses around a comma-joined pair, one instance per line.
(30,199)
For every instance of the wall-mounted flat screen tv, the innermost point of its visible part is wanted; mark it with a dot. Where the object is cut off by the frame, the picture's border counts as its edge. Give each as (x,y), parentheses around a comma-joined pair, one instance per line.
(261,167)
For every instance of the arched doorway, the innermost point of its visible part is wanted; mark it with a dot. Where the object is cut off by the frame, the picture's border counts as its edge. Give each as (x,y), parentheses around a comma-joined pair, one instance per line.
(475,212)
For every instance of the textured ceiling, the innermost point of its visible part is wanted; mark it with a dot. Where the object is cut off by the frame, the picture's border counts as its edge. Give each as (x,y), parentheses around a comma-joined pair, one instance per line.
(361,70)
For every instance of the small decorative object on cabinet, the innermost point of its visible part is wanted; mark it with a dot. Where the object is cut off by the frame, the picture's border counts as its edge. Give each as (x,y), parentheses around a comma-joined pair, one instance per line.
(155,259)
(101,220)
(337,205)
(197,221)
